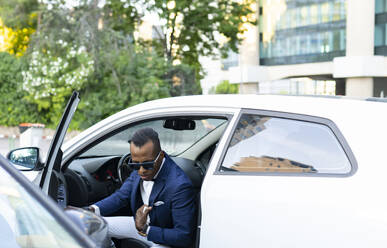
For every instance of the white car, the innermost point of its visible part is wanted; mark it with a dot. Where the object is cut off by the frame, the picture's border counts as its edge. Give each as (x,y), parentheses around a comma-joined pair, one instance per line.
(271,170)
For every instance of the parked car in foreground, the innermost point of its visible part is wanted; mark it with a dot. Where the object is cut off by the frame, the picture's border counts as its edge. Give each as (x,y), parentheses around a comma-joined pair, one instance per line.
(28,219)
(271,170)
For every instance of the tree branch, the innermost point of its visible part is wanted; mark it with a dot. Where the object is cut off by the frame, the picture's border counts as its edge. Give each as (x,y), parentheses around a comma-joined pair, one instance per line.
(172,38)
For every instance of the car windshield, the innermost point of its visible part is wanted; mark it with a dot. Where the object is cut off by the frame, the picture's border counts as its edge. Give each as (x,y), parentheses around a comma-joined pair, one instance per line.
(24,222)
(172,141)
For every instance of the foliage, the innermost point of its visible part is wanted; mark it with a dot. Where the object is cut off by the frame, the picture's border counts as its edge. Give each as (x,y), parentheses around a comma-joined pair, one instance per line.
(132,78)
(190,29)
(182,80)
(121,15)
(111,72)
(225,88)
(19,14)
(14,108)
(51,79)
(20,19)
(95,46)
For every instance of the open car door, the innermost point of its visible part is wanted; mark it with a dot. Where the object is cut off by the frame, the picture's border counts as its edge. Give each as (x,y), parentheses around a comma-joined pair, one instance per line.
(52,181)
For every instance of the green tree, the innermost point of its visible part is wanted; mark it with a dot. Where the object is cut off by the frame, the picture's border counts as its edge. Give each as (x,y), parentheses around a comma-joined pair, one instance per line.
(50,79)
(112,72)
(141,79)
(22,16)
(14,108)
(190,29)
(19,14)
(225,88)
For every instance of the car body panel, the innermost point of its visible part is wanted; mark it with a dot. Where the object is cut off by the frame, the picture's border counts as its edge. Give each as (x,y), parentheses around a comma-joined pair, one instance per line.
(302,211)
(50,206)
(279,210)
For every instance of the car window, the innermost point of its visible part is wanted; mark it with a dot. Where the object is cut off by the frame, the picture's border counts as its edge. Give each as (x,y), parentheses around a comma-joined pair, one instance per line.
(271,144)
(172,141)
(24,222)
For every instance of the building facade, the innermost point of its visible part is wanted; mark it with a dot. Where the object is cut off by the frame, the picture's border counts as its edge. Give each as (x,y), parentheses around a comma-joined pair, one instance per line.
(333,47)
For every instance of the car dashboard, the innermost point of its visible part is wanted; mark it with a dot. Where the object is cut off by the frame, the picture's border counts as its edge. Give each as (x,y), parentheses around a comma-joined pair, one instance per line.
(91,179)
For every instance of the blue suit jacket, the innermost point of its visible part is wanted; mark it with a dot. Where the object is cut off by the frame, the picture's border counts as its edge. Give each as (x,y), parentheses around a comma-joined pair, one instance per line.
(171,223)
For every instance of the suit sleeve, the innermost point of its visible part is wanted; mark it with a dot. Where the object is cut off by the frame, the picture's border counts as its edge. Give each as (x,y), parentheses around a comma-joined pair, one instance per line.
(184,218)
(117,200)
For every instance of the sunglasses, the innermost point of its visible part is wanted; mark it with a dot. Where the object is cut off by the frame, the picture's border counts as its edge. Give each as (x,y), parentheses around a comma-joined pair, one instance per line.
(147,165)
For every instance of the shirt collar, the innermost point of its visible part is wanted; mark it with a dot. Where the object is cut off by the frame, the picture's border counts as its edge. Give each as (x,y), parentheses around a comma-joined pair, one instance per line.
(161,166)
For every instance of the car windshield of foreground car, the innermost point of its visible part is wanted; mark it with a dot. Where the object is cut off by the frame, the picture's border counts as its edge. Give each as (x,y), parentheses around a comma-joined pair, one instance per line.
(24,222)
(172,141)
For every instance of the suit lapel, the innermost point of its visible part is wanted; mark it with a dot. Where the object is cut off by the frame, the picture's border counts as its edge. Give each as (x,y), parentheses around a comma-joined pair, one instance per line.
(136,195)
(159,181)
(157,188)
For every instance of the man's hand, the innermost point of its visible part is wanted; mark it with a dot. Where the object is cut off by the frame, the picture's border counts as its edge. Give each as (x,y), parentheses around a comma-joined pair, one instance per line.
(89,208)
(141,216)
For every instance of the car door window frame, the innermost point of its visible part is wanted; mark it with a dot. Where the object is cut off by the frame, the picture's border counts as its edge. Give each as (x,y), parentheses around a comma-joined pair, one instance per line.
(297,117)
(151,117)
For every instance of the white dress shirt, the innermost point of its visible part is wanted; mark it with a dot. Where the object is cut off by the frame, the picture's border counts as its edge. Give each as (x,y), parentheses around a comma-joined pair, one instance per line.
(145,189)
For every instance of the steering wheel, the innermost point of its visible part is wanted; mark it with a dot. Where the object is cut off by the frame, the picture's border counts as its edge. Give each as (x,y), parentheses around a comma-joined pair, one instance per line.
(123,169)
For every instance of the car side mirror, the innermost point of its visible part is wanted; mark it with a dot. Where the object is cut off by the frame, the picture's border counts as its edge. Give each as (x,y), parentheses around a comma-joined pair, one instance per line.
(26,158)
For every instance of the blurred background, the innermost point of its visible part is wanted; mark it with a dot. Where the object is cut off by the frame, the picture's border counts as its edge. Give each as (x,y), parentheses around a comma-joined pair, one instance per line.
(118,53)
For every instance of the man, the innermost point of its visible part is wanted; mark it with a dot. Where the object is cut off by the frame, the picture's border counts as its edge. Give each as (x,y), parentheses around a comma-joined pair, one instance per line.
(160,195)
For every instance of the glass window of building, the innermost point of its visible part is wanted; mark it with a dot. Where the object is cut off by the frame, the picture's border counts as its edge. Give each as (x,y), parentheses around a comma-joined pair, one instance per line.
(342,39)
(303,45)
(336,40)
(343,9)
(314,16)
(380,34)
(380,6)
(301,29)
(304,16)
(293,18)
(325,12)
(284,20)
(385,34)
(288,45)
(337,15)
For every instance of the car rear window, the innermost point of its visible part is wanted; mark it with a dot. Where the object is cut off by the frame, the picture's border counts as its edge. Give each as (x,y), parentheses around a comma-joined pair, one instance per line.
(267,144)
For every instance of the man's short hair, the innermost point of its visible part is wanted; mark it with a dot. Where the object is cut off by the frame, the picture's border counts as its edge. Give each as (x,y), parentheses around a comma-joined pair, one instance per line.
(143,135)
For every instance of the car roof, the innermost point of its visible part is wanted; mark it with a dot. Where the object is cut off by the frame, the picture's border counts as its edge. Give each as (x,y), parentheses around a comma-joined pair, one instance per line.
(309,105)
(341,110)
(334,108)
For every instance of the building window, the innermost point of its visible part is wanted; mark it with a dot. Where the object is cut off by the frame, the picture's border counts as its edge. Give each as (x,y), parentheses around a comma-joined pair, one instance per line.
(380,36)
(380,31)
(266,144)
(315,30)
(380,6)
